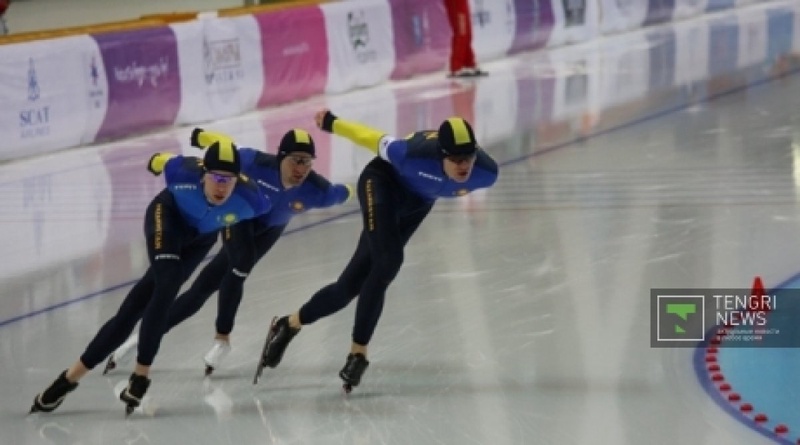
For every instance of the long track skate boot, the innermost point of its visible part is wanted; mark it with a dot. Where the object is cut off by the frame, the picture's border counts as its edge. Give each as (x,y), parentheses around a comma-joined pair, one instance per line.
(216,355)
(51,398)
(121,353)
(352,371)
(133,394)
(278,338)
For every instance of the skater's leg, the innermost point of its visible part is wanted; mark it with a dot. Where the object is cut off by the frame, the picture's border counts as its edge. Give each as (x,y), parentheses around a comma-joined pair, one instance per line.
(193,299)
(172,260)
(242,254)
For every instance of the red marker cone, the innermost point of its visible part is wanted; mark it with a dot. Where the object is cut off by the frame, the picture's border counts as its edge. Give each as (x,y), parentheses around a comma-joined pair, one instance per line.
(757,300)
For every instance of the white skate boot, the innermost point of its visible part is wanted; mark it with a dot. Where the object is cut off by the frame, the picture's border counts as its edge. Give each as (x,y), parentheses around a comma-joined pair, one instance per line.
(216,355)
(121,353)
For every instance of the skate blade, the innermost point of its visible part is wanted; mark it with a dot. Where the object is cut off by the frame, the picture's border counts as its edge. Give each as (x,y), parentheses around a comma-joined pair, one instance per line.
(347,388)
(261,366)
(209,370)
(110,366)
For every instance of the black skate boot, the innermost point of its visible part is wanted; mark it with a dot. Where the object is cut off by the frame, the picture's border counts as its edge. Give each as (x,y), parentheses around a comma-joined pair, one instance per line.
(133,394)
(353,370)
(278,338)
(51,398)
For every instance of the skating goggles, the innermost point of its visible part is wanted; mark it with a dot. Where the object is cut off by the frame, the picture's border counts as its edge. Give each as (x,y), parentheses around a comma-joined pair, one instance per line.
(219,178)
(302,161)
(460,159)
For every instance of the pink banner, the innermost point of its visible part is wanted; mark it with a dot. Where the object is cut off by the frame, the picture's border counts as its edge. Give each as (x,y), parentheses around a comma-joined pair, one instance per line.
(421,37)
(295,54)
(144,91)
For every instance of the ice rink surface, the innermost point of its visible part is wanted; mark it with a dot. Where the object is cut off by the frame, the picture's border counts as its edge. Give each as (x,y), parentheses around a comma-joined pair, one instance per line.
(522,313)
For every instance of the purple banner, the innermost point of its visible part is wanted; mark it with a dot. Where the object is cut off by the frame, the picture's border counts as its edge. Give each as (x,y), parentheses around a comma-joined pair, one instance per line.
(534,23)
(421,37)
(295,54)
(659,11)
(143,80)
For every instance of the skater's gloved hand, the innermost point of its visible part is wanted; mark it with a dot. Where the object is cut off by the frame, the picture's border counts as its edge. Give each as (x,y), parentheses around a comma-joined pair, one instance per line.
(157,162)
(202,139)
(324,119)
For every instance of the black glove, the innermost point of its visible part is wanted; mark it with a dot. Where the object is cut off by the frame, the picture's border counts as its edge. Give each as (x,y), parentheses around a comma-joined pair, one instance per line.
(327,121)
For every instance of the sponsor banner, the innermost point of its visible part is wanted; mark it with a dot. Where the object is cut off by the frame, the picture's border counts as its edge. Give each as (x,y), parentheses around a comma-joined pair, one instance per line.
(421,37)
(220,66)
(375,108)
(752,37)
(575,21)
(144,90)
(716,5)
(796,27)
(625,72)
(622,15)
(689,8)
(360,44)
(294,53)
(780,29)
(45,95)
(723,49)
(493,28)
(691,64)
(662,58)
(659,11)
(534,21)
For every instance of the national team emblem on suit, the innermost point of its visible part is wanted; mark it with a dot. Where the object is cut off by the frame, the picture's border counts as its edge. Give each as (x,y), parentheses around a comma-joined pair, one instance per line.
(297,206)
(229,218)
(461,192)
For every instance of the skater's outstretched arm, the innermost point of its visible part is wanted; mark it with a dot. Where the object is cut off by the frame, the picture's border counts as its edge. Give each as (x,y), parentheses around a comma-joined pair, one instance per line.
(358,133)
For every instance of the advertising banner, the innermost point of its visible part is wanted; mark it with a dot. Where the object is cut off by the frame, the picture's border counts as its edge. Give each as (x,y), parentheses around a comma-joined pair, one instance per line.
(575,21)
(493,28)
(689,8)
(294,54)
(716,5)
(360,44)
(659,11)
(780,29)
(144,90)
(752,37)
(534,22)
(691,64)
(421,37)
(621,15)
(662,59)
(220,66)
(44,95)
(723,49)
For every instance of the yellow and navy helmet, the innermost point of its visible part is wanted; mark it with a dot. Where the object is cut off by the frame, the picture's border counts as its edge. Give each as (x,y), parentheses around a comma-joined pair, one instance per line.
(456,138)
(223,156)
(296,140)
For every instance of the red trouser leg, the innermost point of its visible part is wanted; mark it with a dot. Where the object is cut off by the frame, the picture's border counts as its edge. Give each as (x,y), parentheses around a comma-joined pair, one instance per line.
(461,55)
